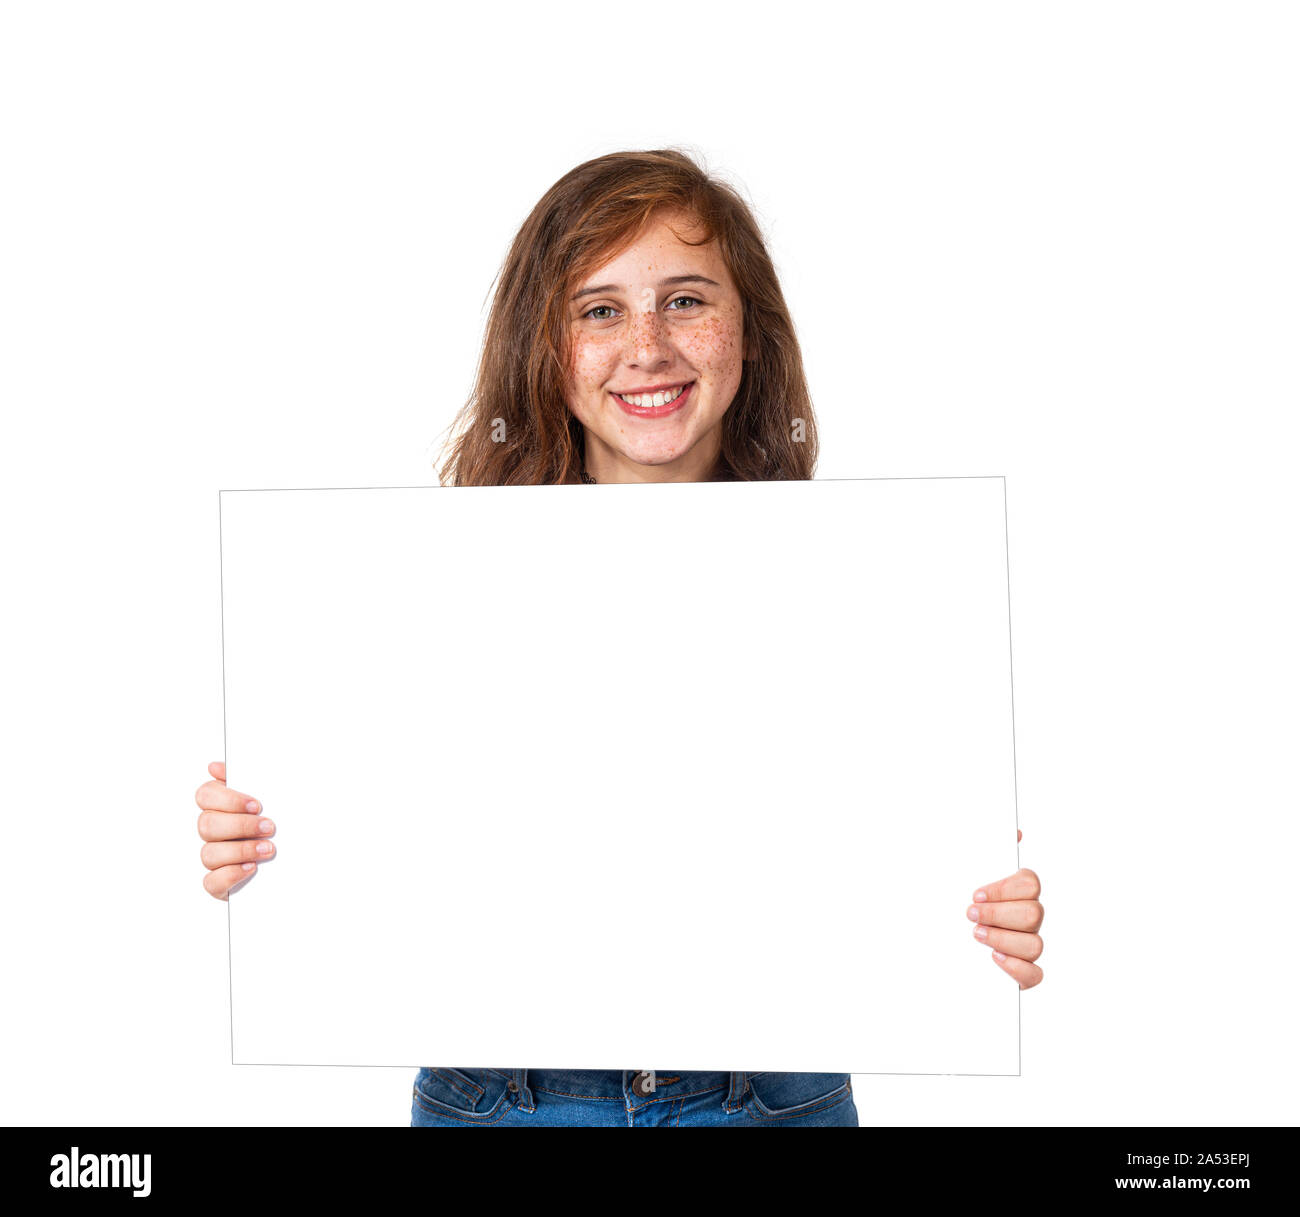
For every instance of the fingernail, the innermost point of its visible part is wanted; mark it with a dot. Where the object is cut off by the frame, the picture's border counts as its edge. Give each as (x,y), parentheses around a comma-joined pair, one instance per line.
(264,847)
(252,807)
(981,896)
(998,956)
(266,826)
(973,913)
(980,932)
(249,866)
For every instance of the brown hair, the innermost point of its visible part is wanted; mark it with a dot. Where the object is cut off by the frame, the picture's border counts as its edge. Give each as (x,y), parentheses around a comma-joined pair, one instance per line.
(516,428)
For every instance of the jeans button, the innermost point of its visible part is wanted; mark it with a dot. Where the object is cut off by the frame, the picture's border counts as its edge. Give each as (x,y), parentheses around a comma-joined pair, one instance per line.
(512,1086)
(644,1083)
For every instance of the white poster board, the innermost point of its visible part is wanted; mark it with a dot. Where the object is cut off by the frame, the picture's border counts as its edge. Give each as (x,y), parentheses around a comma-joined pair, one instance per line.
(689,776)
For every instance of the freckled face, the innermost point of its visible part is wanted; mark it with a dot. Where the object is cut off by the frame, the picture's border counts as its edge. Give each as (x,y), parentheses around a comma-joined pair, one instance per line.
(663,318)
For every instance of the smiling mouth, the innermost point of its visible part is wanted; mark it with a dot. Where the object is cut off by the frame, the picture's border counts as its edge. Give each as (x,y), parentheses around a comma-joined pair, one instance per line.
(662,401)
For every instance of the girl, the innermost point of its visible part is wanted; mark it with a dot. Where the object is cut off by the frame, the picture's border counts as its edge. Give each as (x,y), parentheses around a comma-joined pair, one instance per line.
(638,334)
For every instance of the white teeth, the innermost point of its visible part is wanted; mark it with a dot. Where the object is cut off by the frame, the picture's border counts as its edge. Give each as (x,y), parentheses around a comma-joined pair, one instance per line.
(646,400)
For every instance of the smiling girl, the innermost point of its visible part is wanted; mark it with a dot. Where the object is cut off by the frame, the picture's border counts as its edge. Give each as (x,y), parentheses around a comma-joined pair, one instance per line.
(638,334)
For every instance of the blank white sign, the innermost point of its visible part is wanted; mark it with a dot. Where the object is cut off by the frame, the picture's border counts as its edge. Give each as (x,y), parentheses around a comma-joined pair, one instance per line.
(693,775)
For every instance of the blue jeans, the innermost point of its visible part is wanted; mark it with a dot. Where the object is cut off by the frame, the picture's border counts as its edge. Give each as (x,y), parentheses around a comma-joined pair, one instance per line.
(448,1098)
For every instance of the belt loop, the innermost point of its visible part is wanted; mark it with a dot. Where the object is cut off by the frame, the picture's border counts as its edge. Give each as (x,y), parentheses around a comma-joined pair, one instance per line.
(519,1081)
(736,1094)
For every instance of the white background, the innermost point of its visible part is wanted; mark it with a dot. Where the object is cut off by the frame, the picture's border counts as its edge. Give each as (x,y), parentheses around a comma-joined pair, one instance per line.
(250,245)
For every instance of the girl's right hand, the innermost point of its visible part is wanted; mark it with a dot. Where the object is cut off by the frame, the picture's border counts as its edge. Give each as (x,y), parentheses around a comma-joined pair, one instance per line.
(235,832)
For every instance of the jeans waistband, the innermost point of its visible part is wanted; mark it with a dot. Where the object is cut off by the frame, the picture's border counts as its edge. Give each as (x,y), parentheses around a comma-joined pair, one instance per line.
(617,1084)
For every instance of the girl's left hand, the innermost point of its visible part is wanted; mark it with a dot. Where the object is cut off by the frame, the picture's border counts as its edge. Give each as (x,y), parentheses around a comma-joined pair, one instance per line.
(1008,916)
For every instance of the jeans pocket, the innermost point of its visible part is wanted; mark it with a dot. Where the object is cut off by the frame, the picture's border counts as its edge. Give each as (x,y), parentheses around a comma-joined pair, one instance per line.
(785,1096)
(470,1096)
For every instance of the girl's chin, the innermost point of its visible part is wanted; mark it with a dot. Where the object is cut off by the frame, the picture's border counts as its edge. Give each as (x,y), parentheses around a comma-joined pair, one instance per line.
(667,445)
(649,442)
(651,460)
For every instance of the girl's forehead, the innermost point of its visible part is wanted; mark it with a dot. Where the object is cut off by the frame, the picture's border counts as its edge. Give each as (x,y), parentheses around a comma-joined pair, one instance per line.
(659,249)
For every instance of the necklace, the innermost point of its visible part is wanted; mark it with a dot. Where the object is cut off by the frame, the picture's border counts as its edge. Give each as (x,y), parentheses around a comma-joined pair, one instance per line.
(588,479)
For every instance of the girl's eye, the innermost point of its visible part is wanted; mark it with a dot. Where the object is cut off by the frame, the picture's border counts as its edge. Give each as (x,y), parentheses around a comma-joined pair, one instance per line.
(605,308)
(685,300)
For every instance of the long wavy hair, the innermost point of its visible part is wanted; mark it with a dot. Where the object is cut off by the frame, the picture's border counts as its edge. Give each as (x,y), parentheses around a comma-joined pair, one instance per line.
(516,428)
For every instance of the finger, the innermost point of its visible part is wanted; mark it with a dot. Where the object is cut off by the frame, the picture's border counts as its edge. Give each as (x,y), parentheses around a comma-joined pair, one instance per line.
(1019,834)
(1028,974)
(220,883)
(233,826)
(1010,942)
(216,796)
(218,770)
(1023,885)
(228,853)
(1026,915)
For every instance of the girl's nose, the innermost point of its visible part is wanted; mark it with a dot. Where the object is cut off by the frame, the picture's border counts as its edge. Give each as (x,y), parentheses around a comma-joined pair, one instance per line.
(647,339)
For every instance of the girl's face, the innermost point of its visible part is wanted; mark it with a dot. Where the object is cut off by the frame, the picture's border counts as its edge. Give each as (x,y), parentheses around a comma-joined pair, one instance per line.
(658,346)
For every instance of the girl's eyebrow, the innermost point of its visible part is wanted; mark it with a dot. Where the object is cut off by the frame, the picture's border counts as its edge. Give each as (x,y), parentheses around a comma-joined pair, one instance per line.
(671,282)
